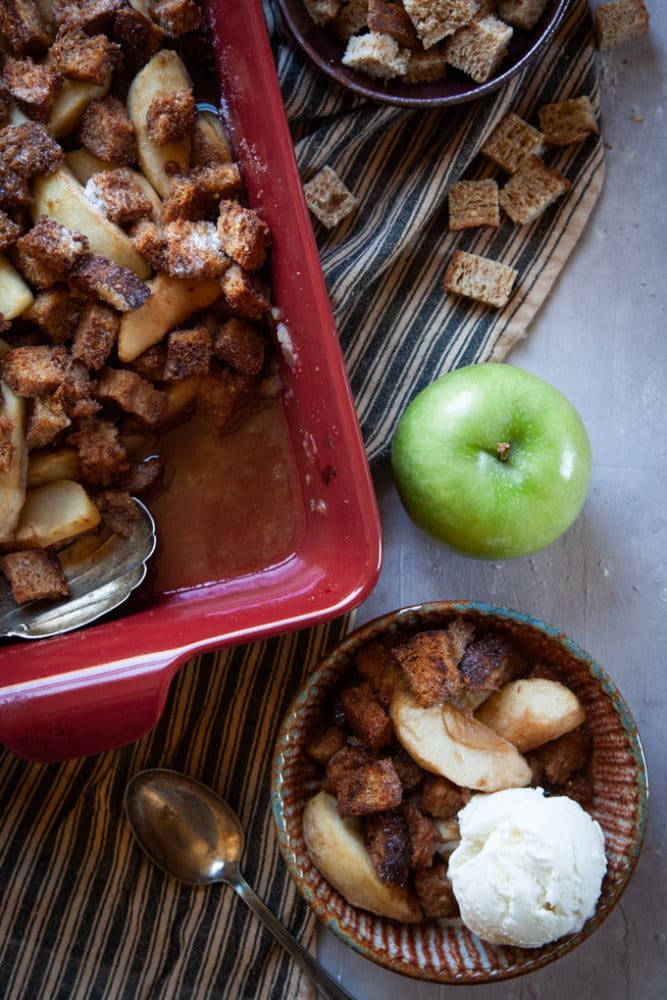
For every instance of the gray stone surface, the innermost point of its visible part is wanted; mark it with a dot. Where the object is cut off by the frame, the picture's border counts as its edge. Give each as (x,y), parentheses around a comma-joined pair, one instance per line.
(602,339)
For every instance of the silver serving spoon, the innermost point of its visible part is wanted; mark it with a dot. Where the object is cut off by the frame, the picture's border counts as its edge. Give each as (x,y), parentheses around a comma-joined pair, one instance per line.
(194,836)
(102,570)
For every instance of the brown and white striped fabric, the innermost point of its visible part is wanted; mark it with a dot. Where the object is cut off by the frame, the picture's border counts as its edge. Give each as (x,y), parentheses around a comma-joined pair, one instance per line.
(83,914)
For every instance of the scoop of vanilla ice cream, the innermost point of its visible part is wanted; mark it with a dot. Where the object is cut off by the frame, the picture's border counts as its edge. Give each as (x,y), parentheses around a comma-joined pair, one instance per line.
(528,869)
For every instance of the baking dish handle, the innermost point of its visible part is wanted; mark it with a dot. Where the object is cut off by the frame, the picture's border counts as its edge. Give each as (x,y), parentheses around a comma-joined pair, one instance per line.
(85,711)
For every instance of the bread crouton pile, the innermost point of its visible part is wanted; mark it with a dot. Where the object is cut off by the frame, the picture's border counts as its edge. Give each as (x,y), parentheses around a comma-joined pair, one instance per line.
(416,40)
(132,272)
(420,721)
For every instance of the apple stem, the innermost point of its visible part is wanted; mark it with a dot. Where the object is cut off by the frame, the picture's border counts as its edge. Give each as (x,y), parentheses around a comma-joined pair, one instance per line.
(503,450)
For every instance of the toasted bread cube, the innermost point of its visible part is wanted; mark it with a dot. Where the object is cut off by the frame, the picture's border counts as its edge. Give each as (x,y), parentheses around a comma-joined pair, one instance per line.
(55,311)
(351,19)
(521,13)
(435,892)
(23,26)
(34,86)
(244,293)
(142,477)
(424,835)
(46,419)
(531,190)
(78,56)
(377,54)
(132,393)
(29,149)
(243,235)
(473,203)
(188,353)
(391,19)
(107,132)
(410,773)
(437,19)
(479,278)
(171,116)
(48,252)
(92,16)
(511,142)
(567,122)
(223,396)
(324,742)
(578,787)
(198,193)
(323,11)
(119,511)
(369,788)
(9,231)
(479,48)
(100,278)
(102,457)
(95,335)
(345,761)
(484,664)
(33,370)
(441,798)
(429,666)
(379,667)
(557,760)
(426,67)
(7,439)
(461,634)
(240,345)
(328,198)
(387,841)
(5,104)
(176,17)
(138,37)
(619,22)
(34,575)
(366,717)
(14,190)
(150,364)
(116,194)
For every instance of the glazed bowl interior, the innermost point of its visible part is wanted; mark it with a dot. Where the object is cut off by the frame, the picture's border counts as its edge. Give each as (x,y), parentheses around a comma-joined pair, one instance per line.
(326,49)
(453,954)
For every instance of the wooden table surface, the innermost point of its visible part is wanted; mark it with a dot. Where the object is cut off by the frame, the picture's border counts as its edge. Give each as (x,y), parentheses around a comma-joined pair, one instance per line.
(602,340)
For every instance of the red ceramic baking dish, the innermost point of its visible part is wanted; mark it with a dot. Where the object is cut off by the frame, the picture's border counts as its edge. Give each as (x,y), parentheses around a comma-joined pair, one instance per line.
(105,685)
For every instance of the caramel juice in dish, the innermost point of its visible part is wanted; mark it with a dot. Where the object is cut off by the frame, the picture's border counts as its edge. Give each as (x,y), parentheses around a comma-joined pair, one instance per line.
(232,505)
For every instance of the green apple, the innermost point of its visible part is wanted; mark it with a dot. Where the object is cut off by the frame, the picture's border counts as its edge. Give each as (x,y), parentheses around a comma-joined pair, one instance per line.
(492,460)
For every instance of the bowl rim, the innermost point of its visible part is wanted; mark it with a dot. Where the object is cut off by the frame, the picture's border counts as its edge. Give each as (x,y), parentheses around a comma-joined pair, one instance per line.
(394,963)
(357,82)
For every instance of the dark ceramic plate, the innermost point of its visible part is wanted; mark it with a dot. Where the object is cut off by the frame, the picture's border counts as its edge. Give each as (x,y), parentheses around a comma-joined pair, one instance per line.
(453,954)
(326,50)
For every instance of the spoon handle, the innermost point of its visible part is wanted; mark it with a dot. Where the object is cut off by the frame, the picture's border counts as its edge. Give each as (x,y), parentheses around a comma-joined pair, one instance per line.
(325,984)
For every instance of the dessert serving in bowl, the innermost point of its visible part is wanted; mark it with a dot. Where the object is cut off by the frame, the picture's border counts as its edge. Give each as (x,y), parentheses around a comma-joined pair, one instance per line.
(268,528)
(460,792)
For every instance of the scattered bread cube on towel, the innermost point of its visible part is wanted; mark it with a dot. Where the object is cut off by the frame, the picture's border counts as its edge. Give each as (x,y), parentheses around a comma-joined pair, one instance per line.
(323,11)
(377,54)
(479,48)
(328,198)
(619,22)
(437,19)
(521,13)
(479,278)
(530,191)
(473,203)
(426,67)
(567,122)
(511,142)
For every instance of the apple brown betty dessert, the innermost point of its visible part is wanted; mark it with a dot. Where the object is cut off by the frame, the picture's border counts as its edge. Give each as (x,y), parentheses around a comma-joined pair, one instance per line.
(418,724)
(132,273)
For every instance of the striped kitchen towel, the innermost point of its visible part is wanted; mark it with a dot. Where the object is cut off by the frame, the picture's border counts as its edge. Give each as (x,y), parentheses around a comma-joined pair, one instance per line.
(384,265)
(84,915)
